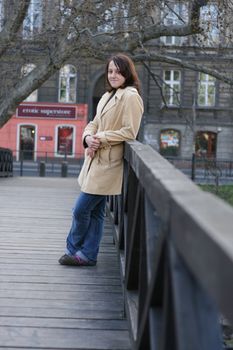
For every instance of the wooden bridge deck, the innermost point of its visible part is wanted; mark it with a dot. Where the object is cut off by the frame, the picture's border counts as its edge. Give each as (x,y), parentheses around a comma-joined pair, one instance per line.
(44,305)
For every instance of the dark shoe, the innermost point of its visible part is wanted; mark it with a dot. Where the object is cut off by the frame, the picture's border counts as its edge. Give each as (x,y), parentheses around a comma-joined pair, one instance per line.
(72,260)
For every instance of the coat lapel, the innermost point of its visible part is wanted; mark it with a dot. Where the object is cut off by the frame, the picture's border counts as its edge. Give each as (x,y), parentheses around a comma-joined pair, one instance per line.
(108,106)
(113,100)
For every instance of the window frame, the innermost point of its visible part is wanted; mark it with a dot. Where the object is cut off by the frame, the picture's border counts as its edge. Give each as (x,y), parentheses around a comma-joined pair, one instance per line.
(34,10)
(209,23)
(56,153)
(112,18)
(170,18)
(25,70)
(67,76)
(1,14)
(206,84)
(177,148)
(171,83)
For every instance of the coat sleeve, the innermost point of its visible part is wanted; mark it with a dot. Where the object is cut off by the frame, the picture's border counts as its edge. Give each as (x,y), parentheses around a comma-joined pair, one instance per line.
(131,119)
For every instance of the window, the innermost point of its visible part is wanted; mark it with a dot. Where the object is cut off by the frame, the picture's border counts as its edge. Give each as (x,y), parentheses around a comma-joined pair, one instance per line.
(114,18)
(209,22)
(174,14)
(71,16)
(65,140)
(169,142)
(33,21)
(65,10)
(26,69)
(206,90)
(67,84)
(206,143)
(1,14)
(171,88)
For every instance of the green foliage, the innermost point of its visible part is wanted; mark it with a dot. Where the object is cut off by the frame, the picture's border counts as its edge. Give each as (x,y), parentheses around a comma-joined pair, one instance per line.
(224,191)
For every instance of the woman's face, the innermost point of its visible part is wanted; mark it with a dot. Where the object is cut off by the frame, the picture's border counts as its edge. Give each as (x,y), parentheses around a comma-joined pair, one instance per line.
(114,76)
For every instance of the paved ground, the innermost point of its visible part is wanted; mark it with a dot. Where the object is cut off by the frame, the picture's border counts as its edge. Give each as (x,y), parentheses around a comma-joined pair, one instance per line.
(44,305)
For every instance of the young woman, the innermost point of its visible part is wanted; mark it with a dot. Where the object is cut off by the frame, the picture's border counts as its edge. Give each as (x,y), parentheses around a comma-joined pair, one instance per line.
(117,119)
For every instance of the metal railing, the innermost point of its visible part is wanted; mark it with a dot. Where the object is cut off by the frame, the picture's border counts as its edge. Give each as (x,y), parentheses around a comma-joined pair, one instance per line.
(204,168)
(175,247)
(28,163)
(6,162)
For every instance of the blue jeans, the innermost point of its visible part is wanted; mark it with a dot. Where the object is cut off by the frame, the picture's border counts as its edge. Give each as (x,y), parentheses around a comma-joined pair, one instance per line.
(87,226)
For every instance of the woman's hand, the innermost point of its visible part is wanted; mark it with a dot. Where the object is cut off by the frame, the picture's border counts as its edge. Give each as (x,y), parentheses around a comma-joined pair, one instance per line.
(90,152)
(93,142)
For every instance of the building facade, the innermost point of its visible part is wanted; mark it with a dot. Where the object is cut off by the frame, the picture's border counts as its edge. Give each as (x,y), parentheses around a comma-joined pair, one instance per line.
(45,130)
(185,111)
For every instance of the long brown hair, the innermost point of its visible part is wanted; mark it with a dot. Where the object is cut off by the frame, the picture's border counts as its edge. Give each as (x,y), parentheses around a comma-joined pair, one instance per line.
(126,68)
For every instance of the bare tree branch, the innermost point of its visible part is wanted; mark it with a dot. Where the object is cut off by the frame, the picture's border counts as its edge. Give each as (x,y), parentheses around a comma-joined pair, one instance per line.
(95,29)
(184,64)
(12,26)
(195,13)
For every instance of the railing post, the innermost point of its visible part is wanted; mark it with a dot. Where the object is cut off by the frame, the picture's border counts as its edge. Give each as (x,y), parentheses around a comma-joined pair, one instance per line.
(64,169)
(21,156)
(193,174)
(42,169)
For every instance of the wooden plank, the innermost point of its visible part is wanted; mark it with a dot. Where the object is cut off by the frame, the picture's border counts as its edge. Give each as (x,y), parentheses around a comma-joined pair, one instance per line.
(114,305)
(64,338)
(62,295)
(54,287)
(29,311)
(44,305)
(63,323)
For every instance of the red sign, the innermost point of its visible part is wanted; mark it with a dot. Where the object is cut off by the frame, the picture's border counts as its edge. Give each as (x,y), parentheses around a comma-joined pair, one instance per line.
(45,112)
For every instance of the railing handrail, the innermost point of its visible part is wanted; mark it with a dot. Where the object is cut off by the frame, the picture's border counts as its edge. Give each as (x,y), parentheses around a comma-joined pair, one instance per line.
(166,223)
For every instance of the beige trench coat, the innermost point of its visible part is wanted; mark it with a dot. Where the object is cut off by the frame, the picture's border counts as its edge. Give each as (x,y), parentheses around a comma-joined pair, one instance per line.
(119,121)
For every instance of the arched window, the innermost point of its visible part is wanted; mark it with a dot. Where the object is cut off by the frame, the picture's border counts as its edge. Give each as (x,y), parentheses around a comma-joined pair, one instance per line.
(1,14)
(67,84)
(33,21)
(206,142)
(169,142)
(26,69)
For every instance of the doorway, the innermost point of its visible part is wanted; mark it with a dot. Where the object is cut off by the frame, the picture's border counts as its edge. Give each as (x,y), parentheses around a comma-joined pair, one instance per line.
(27,142)
(99,90)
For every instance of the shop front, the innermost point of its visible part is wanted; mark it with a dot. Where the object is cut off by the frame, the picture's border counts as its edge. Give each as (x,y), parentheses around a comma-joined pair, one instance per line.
(40,130)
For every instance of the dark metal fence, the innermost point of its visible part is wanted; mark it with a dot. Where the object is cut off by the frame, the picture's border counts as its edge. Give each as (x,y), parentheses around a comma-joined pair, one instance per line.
(204,168)
(175,247)
(6,162)
(28,163)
